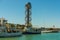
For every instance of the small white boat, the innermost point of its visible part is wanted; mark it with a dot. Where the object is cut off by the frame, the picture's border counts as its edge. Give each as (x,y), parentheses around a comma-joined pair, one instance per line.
(10,34)
(49,31)
(4,33)
(45,31)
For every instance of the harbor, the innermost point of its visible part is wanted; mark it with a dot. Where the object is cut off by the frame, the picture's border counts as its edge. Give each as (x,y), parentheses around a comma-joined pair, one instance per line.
(29,20)
(13,30)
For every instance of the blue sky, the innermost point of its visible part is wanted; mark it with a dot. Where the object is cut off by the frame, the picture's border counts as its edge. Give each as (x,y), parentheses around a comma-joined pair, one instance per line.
(44,12)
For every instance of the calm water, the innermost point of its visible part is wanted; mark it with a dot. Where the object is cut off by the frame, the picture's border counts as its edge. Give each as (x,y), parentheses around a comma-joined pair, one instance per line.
(45,36)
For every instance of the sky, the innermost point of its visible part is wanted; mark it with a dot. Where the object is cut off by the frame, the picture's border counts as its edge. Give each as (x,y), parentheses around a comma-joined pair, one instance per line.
(45,13)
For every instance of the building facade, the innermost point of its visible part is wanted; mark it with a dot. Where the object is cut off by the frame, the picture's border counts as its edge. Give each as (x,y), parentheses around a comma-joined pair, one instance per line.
(2,21)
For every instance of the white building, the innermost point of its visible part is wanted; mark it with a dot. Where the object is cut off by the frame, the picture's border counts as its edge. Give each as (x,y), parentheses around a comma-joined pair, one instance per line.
(2,21)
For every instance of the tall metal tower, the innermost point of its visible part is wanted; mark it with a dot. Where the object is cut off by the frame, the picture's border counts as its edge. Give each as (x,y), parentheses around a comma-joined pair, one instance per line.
(28,15)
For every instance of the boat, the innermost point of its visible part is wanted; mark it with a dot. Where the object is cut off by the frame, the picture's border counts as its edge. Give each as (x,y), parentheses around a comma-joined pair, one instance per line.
(45,31)
(5,33)
(50,31)
(31,31)
(54,31)
(10,34)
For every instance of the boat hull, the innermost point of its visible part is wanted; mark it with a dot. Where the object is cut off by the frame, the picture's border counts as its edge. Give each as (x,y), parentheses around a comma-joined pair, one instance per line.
(10,34)
(31,32)
(50,31)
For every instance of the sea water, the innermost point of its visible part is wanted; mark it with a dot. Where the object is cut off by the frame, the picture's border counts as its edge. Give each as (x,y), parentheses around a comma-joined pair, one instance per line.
(43,36)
